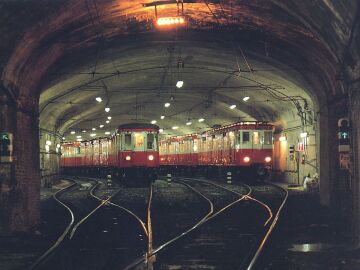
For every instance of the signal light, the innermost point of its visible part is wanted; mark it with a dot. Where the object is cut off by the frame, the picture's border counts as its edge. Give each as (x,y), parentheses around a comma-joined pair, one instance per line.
(246,159)
(151,157)
(128,158)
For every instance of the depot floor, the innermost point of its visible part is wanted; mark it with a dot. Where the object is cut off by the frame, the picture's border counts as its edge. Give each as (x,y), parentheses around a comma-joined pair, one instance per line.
(310,237)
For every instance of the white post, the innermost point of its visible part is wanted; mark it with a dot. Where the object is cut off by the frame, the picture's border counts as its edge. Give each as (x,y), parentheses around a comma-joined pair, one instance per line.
(168,178)
(229,177)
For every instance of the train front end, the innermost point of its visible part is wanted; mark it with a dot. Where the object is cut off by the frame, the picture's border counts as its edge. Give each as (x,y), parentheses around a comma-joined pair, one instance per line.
(138,155)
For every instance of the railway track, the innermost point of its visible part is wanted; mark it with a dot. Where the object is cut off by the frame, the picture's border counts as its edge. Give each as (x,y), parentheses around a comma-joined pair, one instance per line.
(90,237)
(187,250)
(124,232)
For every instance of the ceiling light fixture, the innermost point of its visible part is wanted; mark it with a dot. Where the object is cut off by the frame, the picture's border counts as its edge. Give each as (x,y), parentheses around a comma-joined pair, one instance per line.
(93,134)
(93,129)
(109,117)
(107,109)
(107,133)
(107,121)
(175,127)
(153,122)
(161,130)
(72,132)
(98,99)
(232,106)
(201,120)
(166,21)
(101,126)
(83,131)
(167,105)
(246,99)
(162,117)
(188,123)
(179,84)
(79,136)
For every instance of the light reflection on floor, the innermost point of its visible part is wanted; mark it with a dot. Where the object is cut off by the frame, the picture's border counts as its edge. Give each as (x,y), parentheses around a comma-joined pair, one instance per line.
(314,247)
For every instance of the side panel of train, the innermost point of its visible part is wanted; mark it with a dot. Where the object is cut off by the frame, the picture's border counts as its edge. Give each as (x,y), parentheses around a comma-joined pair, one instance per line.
(243,150)
(126,154)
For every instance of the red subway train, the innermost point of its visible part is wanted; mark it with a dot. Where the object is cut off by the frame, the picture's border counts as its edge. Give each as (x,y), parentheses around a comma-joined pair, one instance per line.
(131,153)
(244,149)
(134,153)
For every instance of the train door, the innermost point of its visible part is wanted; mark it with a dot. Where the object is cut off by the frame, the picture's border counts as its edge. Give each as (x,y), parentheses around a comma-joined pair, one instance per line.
(256,145)
(246,146)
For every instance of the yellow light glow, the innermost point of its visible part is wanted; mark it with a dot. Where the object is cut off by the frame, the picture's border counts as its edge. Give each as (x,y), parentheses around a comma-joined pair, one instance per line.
(128,158)
(151,157)
(246,159)
(170,21)
(267,159)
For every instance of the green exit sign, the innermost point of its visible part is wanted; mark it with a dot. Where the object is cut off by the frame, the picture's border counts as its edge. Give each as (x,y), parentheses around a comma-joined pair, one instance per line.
(5,136)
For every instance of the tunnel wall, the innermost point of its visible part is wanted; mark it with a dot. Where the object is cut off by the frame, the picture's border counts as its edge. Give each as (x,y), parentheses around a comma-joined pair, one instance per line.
(293,170)
(50,154)
(355,177)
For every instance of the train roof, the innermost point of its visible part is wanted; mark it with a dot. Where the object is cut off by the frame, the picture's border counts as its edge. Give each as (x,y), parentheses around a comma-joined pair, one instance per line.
(255,125)
(138,126)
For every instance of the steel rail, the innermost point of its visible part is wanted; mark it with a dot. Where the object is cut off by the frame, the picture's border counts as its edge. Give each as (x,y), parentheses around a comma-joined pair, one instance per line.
(103,202)
(154,251)
(149,226)
(247,196)
(62,236)
(206,218)
(267,235)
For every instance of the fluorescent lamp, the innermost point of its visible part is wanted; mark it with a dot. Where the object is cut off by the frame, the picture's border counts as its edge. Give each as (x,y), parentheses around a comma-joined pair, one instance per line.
(246,99)
(107,109)
(201,120)
(162,117)
(167,105)
(179,84)
(233,106)
(98,99)
(153,122)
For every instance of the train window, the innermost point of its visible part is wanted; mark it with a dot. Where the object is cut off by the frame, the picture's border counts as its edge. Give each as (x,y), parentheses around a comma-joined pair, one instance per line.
(127,139)
(245,137)
(77,151)
(267,137)
(139,140)
(150,141)
(256,137)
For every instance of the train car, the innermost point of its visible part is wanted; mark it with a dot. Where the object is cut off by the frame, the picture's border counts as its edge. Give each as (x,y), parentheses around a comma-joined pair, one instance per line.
(245,149)
(130,154)
(137,154)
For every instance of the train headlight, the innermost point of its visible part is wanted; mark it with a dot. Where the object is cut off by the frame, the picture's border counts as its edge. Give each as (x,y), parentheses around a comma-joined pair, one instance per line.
(151,157)
(246,159)
(267,159)
(128,158)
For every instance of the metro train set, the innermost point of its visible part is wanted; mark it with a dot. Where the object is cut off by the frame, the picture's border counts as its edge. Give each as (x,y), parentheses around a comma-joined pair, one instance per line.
(134,153)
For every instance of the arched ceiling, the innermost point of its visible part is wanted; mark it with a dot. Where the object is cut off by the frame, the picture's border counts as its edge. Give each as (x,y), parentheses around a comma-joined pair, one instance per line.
(284,55)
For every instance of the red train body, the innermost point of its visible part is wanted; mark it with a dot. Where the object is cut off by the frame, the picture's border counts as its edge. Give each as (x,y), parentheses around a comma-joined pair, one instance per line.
(244,149)
(132,151)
